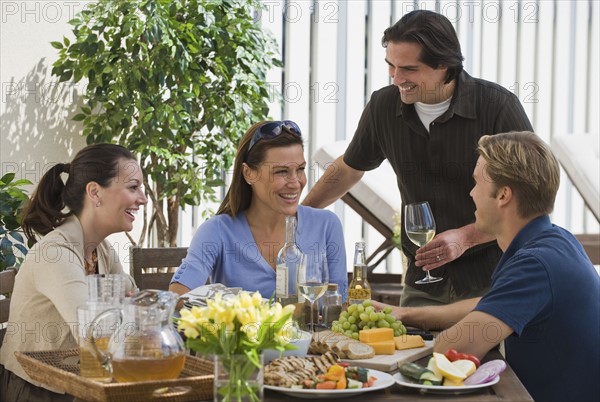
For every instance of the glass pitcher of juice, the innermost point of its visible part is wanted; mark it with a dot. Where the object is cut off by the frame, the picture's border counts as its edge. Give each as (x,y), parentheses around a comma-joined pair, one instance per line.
(145,346)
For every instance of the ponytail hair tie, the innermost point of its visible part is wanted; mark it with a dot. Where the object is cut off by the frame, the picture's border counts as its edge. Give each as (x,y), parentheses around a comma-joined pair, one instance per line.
(66,167)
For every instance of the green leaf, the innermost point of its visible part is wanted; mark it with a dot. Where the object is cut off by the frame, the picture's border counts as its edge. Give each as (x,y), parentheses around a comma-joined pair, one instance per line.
(21,182)
(79,117)
(17,236)
(7,178)
(56,45)
(10,260)
(5,245)
(66,76)
(21,248)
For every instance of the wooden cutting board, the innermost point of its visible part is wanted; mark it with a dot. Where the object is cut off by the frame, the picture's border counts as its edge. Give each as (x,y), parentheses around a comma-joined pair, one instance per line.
(392,362)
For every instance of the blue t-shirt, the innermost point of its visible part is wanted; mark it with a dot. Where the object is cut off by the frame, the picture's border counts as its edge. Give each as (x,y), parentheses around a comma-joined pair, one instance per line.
(546,289)
(224,249)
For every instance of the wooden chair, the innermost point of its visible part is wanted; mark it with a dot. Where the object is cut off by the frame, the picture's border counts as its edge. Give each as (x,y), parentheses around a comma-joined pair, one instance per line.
(153,268)
(7,283)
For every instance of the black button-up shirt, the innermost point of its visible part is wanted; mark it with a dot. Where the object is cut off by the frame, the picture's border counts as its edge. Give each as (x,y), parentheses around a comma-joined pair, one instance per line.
(437,166)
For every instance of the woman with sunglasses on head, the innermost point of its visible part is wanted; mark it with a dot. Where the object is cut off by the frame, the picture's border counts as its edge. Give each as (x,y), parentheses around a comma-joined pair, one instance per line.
(238,247)
(74,208)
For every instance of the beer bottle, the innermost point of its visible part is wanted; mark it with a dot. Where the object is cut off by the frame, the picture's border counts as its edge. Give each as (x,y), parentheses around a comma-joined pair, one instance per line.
(359,289)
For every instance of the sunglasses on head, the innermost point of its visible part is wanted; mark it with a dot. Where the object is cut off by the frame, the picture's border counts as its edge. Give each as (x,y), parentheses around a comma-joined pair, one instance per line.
(271,130)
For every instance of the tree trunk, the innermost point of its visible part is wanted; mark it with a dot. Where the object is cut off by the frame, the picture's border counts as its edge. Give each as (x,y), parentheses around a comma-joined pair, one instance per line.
(162,226)
(173,216)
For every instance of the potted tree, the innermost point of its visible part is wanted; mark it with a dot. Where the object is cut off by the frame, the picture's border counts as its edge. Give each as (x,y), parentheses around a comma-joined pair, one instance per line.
(177,81)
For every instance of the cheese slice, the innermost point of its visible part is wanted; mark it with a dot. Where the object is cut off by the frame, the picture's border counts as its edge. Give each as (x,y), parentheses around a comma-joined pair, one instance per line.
(409,342)
(384,347)
(376,335)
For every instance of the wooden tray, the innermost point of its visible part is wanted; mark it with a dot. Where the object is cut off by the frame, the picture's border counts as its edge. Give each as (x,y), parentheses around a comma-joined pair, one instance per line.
(393,362)
(60,369)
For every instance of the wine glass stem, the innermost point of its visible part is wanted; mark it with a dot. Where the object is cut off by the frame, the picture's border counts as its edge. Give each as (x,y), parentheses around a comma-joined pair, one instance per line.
(312,323)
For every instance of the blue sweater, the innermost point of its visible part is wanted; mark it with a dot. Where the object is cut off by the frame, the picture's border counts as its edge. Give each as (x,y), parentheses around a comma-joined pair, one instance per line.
(224,249)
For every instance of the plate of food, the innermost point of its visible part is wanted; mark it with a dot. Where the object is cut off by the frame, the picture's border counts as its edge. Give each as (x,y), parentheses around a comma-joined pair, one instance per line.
(445,376)
(442,389)
(381,381)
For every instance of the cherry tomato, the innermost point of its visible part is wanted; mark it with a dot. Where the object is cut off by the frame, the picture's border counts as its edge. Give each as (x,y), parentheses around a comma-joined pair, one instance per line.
(474,359)
(462,356)
(452,355)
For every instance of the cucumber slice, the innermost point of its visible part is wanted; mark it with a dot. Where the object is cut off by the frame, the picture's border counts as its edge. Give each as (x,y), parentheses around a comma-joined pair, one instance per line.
(414,371)
(430,379)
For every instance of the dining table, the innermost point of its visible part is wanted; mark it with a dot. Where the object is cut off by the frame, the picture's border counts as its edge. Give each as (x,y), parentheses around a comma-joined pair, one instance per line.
(508,388)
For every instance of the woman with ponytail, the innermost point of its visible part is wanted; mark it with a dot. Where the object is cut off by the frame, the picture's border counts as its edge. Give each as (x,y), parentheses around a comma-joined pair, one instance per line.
(73,209)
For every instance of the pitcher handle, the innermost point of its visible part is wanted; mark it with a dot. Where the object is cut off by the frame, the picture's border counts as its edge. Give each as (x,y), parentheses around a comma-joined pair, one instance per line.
(102,357)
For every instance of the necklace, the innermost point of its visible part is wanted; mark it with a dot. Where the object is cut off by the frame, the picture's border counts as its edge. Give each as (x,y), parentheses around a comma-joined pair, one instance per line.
(91,267)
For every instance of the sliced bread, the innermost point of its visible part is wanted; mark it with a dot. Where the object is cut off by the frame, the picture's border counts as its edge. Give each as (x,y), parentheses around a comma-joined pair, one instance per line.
(359,350)
(339,347)
(323,341)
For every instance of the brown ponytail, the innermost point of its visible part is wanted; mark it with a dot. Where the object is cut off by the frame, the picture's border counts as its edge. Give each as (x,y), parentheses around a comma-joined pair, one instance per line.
(44,211)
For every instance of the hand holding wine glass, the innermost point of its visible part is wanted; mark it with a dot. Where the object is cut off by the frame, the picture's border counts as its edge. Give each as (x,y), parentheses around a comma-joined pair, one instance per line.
(312,279)
(420,229)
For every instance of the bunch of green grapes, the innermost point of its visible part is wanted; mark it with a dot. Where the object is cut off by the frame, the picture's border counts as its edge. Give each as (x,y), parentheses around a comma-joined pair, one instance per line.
(364,316)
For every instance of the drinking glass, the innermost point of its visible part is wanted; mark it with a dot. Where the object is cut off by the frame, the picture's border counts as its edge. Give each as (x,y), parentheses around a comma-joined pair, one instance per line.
(420,229)
(91,332)
(106,288)
(312,279)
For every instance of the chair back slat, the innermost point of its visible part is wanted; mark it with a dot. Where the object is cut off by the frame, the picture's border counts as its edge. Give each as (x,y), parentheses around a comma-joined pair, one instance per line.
(4,308)
(7,280)
(152,268)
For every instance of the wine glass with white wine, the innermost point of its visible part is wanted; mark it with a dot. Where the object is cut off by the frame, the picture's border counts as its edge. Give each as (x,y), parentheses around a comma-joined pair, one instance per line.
(312,279)
(420,229)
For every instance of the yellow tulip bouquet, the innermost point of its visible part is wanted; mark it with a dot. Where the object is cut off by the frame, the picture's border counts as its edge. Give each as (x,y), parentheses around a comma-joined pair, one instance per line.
(242,325)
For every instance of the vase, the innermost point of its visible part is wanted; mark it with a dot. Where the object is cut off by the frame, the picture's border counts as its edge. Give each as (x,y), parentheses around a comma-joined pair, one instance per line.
(237,379)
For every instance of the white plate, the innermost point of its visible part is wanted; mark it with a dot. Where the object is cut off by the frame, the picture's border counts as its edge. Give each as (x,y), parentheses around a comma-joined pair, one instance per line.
(440,389)
(383,380)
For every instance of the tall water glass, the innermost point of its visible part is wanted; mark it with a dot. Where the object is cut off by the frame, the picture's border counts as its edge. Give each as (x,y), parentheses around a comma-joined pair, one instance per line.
(100,333)
(106,288)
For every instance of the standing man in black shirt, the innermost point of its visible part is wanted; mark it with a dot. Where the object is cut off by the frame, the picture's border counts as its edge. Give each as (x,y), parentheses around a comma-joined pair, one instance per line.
(427,124)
